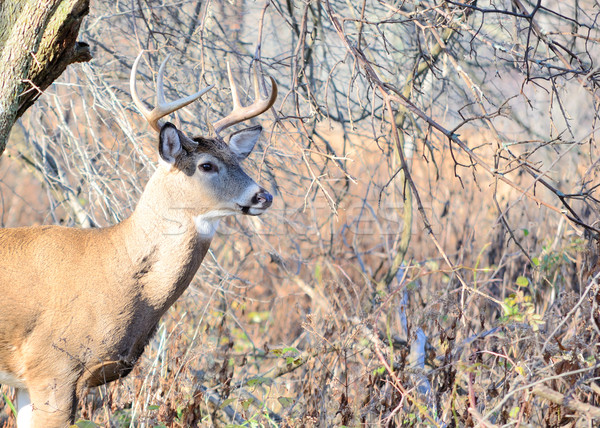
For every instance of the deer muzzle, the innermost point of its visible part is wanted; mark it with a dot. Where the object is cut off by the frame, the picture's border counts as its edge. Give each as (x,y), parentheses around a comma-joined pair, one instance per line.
(258,203)
(263,199)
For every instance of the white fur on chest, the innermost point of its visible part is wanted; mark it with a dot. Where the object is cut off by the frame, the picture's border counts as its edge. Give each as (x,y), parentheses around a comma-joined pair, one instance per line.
(11,380)
(206,226)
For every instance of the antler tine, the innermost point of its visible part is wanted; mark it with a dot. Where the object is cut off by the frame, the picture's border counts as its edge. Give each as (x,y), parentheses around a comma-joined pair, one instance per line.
(239,113)
(133,88)
(160,85)
(234,92)
(162,108)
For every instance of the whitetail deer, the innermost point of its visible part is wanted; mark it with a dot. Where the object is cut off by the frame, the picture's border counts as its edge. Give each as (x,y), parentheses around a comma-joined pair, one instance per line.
(78,306)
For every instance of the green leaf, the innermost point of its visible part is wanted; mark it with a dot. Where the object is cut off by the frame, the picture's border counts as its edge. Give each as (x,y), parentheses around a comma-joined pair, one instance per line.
(226,403)
(247,403)
(258,380)
(522,281)
(258,317)
(294,361)
(85,424)
(285,401)
(535,261)
(280,352)
(379,371)
(10,404)
(525,232)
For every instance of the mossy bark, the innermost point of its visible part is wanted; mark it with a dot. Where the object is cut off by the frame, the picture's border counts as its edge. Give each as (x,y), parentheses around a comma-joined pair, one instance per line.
(37,42)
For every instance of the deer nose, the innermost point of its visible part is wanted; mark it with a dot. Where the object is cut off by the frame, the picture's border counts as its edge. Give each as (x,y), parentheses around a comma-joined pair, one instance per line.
(264,198)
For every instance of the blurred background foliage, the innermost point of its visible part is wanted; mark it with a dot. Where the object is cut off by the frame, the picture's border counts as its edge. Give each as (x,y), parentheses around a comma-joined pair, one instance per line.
(430,258)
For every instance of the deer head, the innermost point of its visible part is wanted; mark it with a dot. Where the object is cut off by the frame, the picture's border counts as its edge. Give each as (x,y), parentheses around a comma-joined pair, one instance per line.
(206,167)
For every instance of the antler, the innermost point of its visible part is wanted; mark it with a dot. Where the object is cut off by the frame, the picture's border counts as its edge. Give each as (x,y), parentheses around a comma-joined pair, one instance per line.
(162,108)
(239,113)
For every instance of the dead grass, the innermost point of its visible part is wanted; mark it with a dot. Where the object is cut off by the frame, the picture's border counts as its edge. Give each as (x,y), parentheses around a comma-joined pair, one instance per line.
(491,321)
(285,327)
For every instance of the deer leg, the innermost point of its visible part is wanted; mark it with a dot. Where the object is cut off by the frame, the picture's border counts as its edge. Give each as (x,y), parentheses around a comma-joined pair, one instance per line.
(23,405)
(52,404)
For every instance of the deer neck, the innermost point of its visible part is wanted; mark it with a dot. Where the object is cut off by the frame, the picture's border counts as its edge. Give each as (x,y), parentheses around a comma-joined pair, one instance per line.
(166,241)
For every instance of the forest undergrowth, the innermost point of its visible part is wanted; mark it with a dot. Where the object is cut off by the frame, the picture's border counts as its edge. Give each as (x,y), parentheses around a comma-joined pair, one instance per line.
(431,255)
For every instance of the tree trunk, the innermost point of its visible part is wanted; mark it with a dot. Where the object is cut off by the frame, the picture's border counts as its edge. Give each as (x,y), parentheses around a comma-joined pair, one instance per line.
(37,42)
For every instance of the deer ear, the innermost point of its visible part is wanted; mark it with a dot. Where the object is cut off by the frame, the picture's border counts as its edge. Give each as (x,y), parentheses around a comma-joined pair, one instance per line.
(169,146)
(242,142)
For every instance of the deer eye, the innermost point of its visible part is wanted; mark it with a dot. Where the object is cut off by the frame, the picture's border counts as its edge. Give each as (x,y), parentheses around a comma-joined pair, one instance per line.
(208,167)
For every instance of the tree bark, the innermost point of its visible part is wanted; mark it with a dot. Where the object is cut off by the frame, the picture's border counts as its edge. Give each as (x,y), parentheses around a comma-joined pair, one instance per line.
(37,42)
